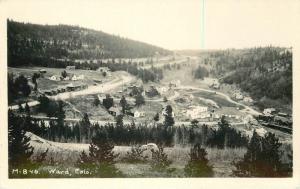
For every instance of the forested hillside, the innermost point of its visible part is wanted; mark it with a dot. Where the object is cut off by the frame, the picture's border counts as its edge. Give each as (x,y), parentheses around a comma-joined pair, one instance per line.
(31,43)
(266,73)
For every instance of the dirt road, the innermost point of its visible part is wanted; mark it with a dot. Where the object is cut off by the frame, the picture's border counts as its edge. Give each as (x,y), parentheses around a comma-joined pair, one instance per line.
(102,88)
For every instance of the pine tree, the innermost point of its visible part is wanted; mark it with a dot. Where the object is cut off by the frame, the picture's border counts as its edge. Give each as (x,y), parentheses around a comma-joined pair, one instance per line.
(169,119)
(119,121)
(101,156)
(136,155)
(27,108)
(85,125)
(19,149)
(21,109)
(262,158)
(96,101)
(139,99)
(123,104)
(156,117)
(160,160)
(198,164)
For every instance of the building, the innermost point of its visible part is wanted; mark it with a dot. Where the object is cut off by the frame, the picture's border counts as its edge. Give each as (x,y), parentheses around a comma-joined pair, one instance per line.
(74,78)
(54,78)
(67,78)
(70,68)
(114,111)
(269,111)
(103,69)
(248,99)
(238,96)
(163,90)
(139,114)
(195,112)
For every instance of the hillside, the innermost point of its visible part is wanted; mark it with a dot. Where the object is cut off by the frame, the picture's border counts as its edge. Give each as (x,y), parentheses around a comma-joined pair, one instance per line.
(266,73)
(32,43)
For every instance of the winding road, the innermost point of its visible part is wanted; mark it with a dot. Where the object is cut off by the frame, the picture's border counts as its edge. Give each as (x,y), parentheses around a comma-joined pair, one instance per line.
(101,88)
(247,109)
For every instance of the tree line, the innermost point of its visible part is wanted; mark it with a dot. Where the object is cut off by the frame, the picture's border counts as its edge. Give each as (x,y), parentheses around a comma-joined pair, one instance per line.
(73,42)
(266,73)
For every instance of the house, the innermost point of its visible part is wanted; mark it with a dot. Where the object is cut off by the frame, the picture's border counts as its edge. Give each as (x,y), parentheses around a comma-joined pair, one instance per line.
(139,114)
(163,90)
(74,78)
(67,78)
(54,78)
(269,111)
(114,111)
(195,112)
(248,99)
(238,96)
(103,69)
(215,85)
(217,116)
(70,68)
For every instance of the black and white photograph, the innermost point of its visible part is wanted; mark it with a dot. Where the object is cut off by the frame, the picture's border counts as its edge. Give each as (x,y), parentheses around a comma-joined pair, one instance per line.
(149,89)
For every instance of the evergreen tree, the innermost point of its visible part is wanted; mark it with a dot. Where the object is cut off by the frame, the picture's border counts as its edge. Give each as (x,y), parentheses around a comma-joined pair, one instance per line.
(101,156)
(119,121)
(262,158)
(139,99)
(136,155)
(21,109)
(27,108)
(194,123)
(108,101)
(160,161)
(96,101)
(60,114)
(123,104)
(64,74)
(19,149)
(156,117)
(198,164)
(169,119)
(85,125)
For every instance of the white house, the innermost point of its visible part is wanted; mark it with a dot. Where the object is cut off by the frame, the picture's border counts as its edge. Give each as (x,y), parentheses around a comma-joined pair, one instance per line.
(74,78)
(70,68)
(103,69)
(195,112)
(54,78)
(248,99)
(217,116)
(163,89)
(269,111)
(238,96)
(139,114)
(67,78)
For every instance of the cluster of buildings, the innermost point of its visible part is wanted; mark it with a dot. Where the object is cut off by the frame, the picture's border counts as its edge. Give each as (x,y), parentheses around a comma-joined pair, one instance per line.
(68,88)
(239,96)
(71,77)
(272,115)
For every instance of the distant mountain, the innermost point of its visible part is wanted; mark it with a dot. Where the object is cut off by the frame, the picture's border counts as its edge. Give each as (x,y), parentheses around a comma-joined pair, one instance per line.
(29,41)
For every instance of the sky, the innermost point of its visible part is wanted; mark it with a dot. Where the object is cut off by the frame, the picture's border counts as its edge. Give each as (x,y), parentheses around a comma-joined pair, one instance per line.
(172,24)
